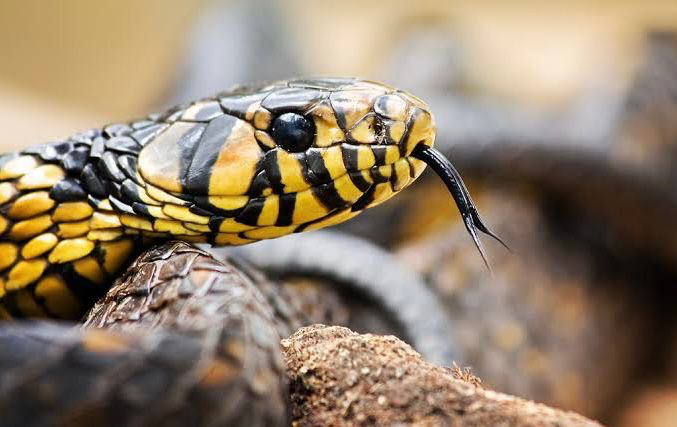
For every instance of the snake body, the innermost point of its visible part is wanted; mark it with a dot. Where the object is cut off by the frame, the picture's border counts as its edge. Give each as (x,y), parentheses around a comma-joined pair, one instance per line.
(188,340)
(252,163)
(182,330)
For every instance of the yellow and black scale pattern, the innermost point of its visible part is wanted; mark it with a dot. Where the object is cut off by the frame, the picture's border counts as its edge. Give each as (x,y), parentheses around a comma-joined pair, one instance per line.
(248,164)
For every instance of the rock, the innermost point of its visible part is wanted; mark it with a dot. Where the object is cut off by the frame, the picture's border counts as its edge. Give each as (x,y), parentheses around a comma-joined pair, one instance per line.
(341,378)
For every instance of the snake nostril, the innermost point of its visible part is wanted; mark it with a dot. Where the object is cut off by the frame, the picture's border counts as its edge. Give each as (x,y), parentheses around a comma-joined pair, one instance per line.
(380,130)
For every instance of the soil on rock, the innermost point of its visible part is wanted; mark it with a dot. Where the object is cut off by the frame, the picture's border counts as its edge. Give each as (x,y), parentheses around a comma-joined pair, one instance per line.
(340,378)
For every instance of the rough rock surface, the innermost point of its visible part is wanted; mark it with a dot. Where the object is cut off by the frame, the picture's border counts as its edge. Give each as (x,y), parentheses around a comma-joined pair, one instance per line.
(340,378)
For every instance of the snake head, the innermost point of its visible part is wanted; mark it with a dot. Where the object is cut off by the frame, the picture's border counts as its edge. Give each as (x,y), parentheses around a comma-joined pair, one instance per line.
(268,160)
(264,161)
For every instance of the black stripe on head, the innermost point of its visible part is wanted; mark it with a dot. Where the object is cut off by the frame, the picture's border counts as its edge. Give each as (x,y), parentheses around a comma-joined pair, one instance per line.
(272,169)
(328,195)
(215,224)
(286,212)
(358,180)
(308,174)
(315,163)
(349,153)
(412,170)
(202,206)
(379,154)
(250,214)
(197,210)
(259,183)
(197,162)
(377,177)
(395,182)
(365,200)
(187,144)
(339,112)
(407,130)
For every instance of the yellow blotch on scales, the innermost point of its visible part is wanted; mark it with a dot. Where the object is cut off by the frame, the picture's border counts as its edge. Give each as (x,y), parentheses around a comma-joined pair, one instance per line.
(8,255)
(102,220)
(90,269)
(270,210)
(69,230)
(7,192)
(307,208)
(23,230)
(333,161)
(291,172)
(236,163)
(365,157)
(44,176)
(160,161)
(30,204)
(70,250)
(327,130)
(24,273)
(72,211)
(269,232)
(364,132)
(57,297)
(39,245)
(17,167)
(116,254)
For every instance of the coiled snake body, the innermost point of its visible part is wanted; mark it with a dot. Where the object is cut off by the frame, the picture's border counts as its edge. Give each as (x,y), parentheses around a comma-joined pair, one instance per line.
(253,163)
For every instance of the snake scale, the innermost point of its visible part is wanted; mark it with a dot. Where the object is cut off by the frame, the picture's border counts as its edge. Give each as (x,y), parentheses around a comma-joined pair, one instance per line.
(255,162)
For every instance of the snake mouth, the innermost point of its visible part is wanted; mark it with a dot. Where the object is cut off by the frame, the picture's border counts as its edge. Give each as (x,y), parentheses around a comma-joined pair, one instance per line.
(452,179)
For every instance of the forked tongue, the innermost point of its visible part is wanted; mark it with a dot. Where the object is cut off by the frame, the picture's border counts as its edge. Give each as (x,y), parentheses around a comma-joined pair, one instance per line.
(446,171)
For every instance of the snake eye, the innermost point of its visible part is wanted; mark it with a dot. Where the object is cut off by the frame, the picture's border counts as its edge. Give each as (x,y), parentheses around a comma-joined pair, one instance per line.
(293,132)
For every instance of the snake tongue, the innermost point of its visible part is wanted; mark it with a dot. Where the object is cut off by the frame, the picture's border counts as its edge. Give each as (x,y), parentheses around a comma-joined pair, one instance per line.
(450,176)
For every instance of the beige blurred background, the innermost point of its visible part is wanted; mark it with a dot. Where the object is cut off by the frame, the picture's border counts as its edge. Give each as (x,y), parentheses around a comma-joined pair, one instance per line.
(519,69)
(73,64)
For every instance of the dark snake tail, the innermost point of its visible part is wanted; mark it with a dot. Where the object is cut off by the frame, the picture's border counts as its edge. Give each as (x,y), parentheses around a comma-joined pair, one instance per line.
(189,341)
(425,324)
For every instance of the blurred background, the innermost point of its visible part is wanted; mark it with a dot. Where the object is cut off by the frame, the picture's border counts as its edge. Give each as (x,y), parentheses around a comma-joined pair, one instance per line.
(564,120)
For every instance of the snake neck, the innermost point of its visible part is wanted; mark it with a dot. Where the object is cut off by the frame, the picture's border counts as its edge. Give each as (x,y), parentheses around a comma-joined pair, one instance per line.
(70,220)
(94,175)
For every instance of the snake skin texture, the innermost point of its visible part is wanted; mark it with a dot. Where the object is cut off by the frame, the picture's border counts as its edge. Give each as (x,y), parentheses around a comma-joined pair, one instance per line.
(188,341)
(181,338)
(425,324)
(252,163)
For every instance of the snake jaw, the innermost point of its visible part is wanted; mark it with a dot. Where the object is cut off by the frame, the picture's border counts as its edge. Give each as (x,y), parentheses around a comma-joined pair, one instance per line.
(452,179)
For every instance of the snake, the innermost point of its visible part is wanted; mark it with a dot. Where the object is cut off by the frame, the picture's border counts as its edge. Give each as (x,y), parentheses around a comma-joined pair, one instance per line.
(255,162)
(252,163)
